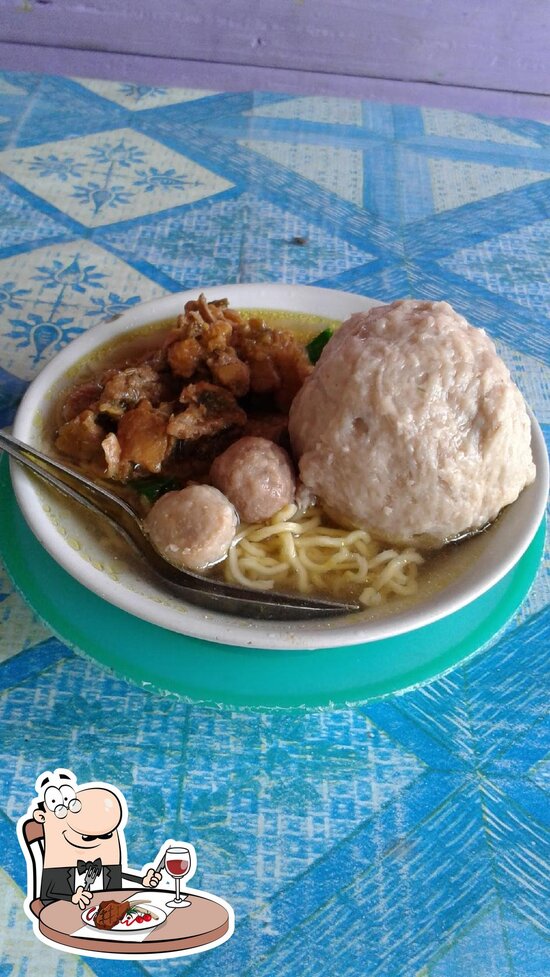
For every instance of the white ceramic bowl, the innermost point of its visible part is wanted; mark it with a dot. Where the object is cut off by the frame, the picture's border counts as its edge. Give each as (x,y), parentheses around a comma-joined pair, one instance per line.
(76,543)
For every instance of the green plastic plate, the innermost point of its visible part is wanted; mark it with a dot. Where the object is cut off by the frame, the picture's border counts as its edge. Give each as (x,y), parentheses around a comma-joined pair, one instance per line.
(204,671)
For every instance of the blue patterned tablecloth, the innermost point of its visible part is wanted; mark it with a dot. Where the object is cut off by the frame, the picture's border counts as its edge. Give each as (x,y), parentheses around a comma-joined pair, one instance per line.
(404,838)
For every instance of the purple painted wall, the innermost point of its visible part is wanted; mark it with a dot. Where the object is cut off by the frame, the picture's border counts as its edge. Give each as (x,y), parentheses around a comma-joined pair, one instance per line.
(328,45)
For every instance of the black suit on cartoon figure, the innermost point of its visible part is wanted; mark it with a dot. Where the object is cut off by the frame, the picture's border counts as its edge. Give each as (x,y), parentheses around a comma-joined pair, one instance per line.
(60,883)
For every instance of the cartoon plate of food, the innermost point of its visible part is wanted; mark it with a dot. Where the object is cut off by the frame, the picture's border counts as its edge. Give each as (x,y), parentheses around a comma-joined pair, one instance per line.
(127,916)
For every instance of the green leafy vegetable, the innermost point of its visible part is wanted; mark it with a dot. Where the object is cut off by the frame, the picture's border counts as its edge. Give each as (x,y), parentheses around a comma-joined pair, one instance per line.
(152,488)
(317,345)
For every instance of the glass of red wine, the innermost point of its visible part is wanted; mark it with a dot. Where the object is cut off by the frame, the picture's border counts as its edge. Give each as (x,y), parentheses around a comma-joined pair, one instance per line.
(177,862)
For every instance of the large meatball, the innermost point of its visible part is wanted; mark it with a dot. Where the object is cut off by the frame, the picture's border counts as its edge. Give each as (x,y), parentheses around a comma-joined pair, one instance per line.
(256,475)
(411,427)
(193,528)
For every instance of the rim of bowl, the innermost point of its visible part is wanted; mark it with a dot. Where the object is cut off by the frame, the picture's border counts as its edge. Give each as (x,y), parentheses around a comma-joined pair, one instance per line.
(197,622)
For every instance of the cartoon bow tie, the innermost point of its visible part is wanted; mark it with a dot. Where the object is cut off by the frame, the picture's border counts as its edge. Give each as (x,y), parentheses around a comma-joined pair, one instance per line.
(92,869)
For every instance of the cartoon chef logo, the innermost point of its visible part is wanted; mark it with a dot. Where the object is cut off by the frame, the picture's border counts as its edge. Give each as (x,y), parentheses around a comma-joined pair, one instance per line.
(82,897)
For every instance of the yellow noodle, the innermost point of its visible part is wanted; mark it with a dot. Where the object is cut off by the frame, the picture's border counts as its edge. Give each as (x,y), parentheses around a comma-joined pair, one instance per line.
(281,527)
(237,576)
(286,512)
(382,557)
(319,565)
(387,573)
(259,570)
(299,552)
(287,545)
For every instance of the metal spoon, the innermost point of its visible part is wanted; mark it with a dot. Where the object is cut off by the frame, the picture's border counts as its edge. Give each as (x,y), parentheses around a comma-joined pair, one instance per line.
(206,592)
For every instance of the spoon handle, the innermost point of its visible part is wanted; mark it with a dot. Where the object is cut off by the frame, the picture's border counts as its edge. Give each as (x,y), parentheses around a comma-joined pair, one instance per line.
(72,483)
(215,594)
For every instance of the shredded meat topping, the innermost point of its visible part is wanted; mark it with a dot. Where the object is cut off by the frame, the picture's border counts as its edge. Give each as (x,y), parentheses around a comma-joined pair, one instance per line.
(143,437)
(277,363)
(185,356)
(81,437)
(125,388)
(174,406)
(209,409)
(117,469)
(82,397)
(229,371)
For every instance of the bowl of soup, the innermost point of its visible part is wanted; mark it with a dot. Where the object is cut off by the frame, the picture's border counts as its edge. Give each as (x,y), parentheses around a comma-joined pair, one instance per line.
(158,404)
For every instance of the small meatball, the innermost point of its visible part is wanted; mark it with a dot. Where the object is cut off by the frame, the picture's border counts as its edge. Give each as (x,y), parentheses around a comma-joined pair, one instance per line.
(194,528)
(256,475)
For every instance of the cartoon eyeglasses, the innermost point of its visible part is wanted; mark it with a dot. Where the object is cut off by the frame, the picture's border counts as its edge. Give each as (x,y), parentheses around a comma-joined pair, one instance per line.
(61,800)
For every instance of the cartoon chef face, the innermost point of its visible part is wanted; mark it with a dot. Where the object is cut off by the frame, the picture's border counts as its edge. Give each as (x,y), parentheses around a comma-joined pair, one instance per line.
(77,822)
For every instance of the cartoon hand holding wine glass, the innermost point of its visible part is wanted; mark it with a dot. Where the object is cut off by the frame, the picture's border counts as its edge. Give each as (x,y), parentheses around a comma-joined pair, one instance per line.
(179,861)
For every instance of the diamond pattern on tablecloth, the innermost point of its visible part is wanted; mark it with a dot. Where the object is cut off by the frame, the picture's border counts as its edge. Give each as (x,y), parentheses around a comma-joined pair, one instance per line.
(456,712)
(56,292)
(138,97)
(455,183)
(532,378)
(292,796)
(423,888)
(208,246)
(24,223)
(107,177)
(322,109)
(14,104)
(339,170)
(461,125)
(58,109)
(514,264)
(520,853)
(145,740)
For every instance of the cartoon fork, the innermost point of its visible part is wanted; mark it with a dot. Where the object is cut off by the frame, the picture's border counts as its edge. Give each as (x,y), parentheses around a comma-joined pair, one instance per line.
(92,873)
